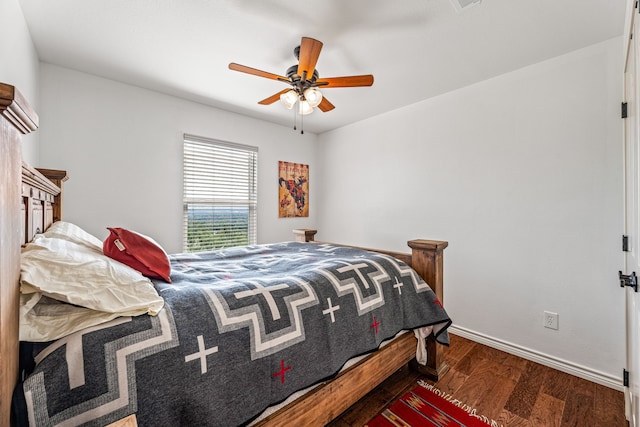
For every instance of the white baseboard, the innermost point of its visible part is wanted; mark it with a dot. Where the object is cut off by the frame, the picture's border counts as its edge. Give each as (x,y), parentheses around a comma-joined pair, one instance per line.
(544,359)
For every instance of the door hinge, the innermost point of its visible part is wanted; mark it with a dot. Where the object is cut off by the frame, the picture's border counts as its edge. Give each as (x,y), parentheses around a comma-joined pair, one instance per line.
(625,243)
(625,378)
(624,110)
(628,280)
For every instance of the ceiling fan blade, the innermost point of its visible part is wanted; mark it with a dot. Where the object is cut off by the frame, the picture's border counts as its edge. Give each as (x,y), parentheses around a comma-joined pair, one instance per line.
(325,105)
(308,57)
(346,81)
(273,98)
(253,71)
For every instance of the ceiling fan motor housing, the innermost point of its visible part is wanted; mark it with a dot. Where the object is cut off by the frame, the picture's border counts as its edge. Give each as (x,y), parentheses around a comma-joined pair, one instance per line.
(297,83)
(292,73)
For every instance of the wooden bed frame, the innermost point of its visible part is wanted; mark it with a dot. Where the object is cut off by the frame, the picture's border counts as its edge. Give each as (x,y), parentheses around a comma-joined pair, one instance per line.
(31,200)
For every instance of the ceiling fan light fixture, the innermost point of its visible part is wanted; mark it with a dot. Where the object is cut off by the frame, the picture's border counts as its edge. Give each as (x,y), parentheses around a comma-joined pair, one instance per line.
(289,98)
(313,96)
(304,108)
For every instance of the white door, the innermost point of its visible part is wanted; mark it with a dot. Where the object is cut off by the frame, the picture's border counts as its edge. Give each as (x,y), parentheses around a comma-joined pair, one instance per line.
(632,208)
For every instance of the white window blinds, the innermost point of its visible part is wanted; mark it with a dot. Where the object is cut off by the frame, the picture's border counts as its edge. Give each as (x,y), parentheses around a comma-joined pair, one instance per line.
(220,194)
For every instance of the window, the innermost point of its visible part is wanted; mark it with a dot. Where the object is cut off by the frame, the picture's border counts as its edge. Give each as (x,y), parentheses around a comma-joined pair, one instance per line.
(220,194)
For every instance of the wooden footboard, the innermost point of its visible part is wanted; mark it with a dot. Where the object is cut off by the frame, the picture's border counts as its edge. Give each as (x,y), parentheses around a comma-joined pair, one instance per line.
(426,258)
(327,401)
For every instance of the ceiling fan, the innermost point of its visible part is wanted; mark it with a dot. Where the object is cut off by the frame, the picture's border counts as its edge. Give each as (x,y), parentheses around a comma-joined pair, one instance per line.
(305,80)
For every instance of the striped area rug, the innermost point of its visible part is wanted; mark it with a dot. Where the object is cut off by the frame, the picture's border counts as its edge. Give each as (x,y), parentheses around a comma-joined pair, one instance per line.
(425,405)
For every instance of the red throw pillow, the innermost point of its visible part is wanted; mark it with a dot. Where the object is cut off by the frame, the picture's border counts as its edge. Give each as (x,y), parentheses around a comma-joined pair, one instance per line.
(138,252)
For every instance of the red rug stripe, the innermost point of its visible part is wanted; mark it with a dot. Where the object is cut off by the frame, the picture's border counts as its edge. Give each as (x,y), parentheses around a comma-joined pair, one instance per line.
(450,408)
(412,415)
(422,407)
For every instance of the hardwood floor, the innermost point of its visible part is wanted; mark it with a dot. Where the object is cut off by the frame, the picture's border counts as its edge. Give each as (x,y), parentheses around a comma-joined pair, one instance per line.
(506,388)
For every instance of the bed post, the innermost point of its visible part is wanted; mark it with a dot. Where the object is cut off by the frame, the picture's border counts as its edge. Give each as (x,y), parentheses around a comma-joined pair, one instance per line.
(304,234)
(58,177)
(427,260)
(16,118)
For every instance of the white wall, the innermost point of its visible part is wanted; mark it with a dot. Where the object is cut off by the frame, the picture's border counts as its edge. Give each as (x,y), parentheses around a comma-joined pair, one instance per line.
(20,66)
(522,175)
(122,148)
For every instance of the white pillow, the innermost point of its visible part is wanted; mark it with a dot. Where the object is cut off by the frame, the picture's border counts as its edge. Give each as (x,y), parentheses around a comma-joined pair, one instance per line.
(44,319)
(72,233)
(78,274)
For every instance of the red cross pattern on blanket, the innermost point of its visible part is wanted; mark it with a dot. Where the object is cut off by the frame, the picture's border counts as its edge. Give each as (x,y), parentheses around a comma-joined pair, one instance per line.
(282,371)
(375,325)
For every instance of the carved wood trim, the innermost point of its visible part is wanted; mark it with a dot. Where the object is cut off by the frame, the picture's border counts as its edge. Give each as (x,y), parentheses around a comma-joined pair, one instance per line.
(15,108)
(38,180)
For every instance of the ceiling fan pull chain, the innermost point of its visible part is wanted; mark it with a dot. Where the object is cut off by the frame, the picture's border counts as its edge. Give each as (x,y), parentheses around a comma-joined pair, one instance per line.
(295,118)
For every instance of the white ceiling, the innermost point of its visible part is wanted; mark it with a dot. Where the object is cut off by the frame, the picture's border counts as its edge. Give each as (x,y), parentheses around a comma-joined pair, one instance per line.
(416,49)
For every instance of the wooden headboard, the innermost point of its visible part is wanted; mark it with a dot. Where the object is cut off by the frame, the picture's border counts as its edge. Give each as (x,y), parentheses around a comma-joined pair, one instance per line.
(29,203)
(41,201)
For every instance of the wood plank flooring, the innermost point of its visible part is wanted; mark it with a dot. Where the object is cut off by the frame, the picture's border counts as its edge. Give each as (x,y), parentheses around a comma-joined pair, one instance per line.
(511,390)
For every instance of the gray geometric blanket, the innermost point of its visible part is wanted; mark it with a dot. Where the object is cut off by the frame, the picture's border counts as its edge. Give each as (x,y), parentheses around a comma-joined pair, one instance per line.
(242,329)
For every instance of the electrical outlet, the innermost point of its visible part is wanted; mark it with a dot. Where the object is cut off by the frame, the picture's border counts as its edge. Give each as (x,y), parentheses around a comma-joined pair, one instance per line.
(551,320)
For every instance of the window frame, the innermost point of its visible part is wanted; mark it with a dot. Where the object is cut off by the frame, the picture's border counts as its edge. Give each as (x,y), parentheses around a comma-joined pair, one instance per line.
(219,178)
